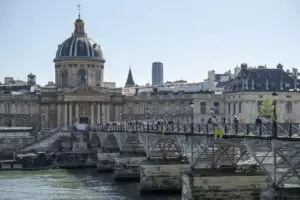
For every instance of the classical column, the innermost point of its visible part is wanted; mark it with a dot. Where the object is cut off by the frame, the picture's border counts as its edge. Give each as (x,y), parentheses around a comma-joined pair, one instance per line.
(117,113)
(66,114)
(92,115)
(58,115)
(107,112)
(103,113)
(70,114)
(76,113)
(98,113)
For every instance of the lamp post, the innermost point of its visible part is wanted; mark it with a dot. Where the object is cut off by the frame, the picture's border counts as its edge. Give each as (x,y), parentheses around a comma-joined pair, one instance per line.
(148,112)
(121,115)
(191,138)
(274,95)
(192,117)
(43,120)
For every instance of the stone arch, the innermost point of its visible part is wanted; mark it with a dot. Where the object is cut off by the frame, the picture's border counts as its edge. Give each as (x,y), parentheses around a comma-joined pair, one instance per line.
(134,145)
(64,78)
(82,76)
(98,78)
(110,144)
(94,142)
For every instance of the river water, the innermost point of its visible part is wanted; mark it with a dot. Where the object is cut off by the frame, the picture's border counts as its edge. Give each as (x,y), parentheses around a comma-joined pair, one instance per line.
(59,184)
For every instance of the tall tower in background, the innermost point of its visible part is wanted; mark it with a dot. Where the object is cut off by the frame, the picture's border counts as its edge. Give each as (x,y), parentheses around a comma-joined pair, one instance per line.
(157,73)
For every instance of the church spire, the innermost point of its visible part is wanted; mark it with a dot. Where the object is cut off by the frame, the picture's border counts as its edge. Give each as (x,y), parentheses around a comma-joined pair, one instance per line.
(79,25)
(130,81)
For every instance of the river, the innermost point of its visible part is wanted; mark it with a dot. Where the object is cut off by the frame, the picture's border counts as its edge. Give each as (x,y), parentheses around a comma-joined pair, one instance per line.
(60,184)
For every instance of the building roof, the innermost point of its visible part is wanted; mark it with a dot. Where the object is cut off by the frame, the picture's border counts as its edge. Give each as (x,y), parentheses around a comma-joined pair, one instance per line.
(259,79)
(79,45)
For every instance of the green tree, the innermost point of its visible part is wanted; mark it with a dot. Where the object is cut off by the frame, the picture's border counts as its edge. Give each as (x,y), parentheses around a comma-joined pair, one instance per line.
(267,108)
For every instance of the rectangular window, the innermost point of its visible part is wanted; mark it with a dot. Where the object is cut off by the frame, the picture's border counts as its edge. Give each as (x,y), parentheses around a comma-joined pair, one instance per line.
(240,107)
(259,104)
(229,107)
(217,107)
(202,107)
(289,107)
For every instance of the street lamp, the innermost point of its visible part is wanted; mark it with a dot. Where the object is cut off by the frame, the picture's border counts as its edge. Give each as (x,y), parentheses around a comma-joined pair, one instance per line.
(148,112)
(43,121)
(43,117)
(121,115)
(274,95)
(192,117)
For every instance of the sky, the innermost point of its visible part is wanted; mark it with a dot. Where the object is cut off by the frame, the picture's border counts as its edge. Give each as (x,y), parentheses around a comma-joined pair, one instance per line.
(189,37)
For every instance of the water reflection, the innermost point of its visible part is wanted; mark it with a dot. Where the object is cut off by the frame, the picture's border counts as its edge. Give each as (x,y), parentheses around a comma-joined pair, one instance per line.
(69,184)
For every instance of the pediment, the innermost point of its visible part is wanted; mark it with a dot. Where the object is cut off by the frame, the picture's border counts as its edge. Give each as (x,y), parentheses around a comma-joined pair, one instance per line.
(82,90)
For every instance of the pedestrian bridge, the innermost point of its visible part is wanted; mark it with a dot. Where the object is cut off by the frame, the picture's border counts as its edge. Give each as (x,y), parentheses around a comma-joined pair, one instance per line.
(276,149)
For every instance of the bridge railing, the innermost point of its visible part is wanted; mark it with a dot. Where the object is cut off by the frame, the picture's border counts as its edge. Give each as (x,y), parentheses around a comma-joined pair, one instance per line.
(240,129)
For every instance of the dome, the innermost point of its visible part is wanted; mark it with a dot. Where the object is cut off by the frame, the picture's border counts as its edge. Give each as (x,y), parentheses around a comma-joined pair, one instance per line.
(79,45)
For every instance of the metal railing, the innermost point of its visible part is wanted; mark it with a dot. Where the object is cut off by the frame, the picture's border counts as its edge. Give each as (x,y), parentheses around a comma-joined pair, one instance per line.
(263,130)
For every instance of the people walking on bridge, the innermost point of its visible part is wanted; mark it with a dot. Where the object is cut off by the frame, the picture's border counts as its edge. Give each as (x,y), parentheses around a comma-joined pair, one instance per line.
(236,121)
(258,123)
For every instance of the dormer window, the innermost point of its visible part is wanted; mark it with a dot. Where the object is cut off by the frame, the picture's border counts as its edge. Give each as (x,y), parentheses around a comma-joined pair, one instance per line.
(267,84)
(281,85)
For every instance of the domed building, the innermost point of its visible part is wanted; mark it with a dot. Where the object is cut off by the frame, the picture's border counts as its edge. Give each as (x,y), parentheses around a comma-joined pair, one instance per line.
(79,94)
(79,60)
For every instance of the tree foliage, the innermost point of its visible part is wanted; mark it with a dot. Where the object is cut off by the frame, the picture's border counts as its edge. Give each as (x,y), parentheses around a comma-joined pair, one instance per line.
(267,107)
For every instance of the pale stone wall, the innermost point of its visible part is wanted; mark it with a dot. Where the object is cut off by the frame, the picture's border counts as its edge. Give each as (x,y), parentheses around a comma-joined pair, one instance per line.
(250,109)
(161,177)
(73,67)
(128,167)
(222,186)
(106,161)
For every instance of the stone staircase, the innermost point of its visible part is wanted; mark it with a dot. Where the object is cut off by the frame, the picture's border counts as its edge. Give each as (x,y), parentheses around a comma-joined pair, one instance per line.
(44,141)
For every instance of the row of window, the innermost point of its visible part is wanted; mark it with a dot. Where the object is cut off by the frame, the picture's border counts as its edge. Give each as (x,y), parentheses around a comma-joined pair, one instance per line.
(237,107)
(83,77)
(18,108)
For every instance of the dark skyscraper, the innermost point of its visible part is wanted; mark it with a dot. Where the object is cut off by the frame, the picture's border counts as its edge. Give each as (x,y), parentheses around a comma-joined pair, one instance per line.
(157,73)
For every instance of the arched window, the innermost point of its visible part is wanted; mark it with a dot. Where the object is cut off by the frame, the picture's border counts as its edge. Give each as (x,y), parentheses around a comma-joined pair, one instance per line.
(98,77)
(82,76)
(64,78)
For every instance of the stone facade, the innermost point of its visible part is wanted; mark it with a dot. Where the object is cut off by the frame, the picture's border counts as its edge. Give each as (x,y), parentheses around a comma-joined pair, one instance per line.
(80,95)
(85,104)
(20,110)
(247,104)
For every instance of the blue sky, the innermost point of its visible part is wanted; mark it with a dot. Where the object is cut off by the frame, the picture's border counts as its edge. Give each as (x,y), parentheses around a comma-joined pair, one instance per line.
(190,37)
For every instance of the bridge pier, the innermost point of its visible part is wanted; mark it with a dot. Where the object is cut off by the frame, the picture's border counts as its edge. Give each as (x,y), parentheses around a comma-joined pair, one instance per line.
(162,175)
(222,184)
(128,166)
(132,154)
(106,161)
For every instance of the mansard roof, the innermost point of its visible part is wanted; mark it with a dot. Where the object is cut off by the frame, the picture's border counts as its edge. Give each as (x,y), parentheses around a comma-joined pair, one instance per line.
(259,80)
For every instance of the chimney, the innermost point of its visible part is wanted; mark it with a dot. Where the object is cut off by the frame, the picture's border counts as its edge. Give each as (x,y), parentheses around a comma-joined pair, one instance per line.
(244,66)
(279,66)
